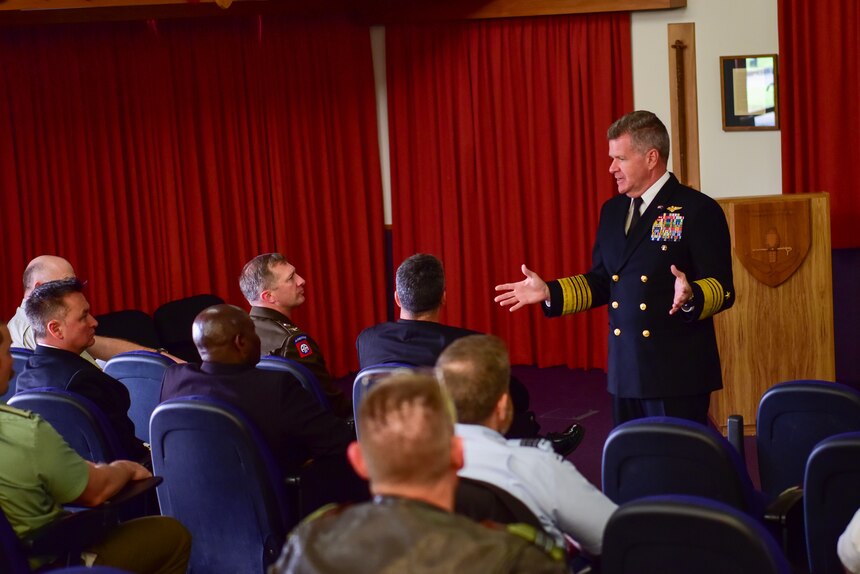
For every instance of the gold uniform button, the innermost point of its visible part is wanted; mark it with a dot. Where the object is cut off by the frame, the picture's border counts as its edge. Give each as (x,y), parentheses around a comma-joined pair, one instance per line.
(663,248)
(646,333)
(615,278)
(615,304)
(617,332)
(643,306)
(644,279)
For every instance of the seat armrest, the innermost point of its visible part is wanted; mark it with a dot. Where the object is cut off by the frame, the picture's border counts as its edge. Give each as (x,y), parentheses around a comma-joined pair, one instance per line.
(735,432)
(80,526)
(68,534)
(133,489)
(784,519)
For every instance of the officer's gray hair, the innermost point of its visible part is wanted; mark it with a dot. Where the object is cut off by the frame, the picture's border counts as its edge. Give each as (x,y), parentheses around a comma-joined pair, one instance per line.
(646,132)
(257,275)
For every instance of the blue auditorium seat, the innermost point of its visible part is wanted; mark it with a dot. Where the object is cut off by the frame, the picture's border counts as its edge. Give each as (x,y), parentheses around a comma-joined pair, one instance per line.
(19,363)
(222,483)
(141,373)
(666,455)
(78,420)
(687,534)
(173,321)
(367,377)
(792,418)
(307,379)
(831,496)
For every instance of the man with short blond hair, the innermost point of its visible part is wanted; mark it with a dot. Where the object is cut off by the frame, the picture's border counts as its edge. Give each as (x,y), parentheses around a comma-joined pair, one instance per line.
(409,452)
(475,370)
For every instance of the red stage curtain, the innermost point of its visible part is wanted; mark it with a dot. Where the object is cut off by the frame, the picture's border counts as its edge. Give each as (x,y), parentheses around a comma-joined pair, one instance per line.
(819,85)
(499,157)
(158,157)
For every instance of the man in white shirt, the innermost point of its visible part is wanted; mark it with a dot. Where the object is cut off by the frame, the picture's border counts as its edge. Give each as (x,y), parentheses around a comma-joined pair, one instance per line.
(476,372)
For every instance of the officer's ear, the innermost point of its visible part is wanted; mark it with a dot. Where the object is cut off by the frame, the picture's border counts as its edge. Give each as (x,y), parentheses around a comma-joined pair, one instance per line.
(356,459)
(457,457)
(397,299)
(266,296)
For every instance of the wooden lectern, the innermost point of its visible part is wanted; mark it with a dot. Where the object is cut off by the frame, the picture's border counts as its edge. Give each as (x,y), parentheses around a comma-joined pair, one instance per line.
(781,325)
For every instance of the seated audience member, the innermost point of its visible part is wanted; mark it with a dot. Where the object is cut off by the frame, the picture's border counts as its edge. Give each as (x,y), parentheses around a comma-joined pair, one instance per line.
(418,337)
(47,268)
(292,422)
(848,546)
(40,472)
(64,328)
(475,370)
(410,454)
(274,289)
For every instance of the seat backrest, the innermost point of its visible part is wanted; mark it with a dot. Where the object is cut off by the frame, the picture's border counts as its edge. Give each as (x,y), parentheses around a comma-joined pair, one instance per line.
(831,496)
(173,321)
(13,557)
(367,377)
(683,534)
(19,363)
(792,418)
(141,373)
(131,324)
(666,455)
(80,422)
(221,482)
(481,500)
(307,379)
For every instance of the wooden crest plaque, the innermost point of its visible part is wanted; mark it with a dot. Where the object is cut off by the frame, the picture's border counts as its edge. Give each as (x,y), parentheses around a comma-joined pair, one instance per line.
(772,238)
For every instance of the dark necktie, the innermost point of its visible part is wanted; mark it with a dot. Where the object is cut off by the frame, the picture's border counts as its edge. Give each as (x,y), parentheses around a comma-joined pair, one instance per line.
(637,203)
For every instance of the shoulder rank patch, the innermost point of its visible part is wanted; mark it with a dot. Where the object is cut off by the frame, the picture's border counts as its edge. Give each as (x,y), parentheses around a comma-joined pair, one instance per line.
(303,347)
(538,538)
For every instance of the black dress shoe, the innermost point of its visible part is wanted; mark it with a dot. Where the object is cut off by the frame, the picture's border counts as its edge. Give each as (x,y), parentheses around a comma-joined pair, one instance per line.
(565,442)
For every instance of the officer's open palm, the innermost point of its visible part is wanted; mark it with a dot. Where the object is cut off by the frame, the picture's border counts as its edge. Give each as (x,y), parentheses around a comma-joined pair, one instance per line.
(530,290)
(683,291)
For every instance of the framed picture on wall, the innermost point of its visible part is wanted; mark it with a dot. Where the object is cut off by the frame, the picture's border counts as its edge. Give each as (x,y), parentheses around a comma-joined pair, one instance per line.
(749,92)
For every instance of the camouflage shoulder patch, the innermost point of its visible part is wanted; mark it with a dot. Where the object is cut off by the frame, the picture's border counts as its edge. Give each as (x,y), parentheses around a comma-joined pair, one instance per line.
(537,537)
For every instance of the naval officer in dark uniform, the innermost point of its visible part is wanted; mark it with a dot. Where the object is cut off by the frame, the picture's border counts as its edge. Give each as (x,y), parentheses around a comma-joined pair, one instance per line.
(274,288)
(662,262)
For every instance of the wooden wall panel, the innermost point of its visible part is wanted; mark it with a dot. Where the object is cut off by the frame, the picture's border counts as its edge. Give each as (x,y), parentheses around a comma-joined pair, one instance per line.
(776,334)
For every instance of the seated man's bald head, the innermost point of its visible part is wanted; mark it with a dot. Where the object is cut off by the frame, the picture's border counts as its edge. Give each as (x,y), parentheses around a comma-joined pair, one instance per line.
(225,334)
(45,268)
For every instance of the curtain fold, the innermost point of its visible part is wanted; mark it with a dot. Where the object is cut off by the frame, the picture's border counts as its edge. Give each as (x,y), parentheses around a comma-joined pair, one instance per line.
(819,83)
(498,146)
(158,157)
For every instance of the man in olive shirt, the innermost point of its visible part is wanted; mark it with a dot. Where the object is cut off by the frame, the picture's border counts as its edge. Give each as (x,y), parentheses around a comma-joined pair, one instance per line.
(273,288)
(40,472)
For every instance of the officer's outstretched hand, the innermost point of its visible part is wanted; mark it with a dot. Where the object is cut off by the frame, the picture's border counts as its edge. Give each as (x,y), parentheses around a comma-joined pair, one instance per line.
(530,290)
(683,291)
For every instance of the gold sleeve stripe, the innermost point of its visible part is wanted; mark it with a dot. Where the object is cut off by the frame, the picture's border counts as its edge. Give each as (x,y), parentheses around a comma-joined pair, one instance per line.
(577,294)
(714,295)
